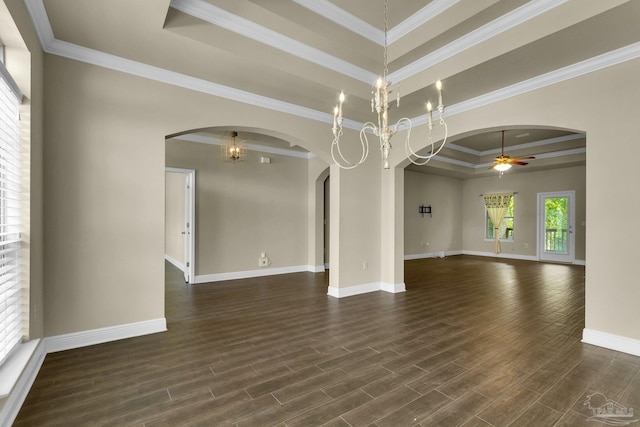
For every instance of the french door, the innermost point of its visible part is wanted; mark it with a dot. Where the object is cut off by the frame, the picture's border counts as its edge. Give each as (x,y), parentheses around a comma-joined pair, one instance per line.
(556,222)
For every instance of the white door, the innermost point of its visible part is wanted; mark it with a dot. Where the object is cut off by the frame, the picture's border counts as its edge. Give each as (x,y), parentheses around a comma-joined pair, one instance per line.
(189,199)
(188,228)
(556,222)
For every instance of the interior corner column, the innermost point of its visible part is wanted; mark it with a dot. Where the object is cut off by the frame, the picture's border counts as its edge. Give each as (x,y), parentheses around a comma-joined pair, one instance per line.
(392,229)
(354,253)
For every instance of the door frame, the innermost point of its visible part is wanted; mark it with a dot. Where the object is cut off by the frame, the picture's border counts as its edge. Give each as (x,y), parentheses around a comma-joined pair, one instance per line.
(190,222)
(541,228)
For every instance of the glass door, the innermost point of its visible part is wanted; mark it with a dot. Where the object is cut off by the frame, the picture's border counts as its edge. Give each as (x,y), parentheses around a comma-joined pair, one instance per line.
(556,219)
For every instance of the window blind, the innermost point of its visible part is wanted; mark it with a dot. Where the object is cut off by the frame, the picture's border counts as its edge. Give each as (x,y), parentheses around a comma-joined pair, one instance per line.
(10,284)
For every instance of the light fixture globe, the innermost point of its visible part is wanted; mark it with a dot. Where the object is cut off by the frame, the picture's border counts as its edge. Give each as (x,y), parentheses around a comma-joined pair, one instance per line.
(502,167)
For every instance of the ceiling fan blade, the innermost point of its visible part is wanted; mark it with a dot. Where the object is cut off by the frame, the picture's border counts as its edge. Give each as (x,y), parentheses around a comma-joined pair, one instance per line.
(515,162)
(525,158)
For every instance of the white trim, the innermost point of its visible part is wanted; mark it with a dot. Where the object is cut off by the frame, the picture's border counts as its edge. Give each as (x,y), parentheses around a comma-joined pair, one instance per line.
(32,356)
(339,16)
(254,147)
(570,256)
(175,262)
(103,335)
(393,288)
(353,290)
(349,291)
(247,274)
(239,25)
(579,262)
(540,156)
(418,19)
(13,86)
(432,255)
(79,53)
(618,56)
(499,25)
(178,170)
(611,341)
(501,255)
(532,144)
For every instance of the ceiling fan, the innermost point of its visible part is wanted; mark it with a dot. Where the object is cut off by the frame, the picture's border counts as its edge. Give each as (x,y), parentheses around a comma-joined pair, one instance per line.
(503,163)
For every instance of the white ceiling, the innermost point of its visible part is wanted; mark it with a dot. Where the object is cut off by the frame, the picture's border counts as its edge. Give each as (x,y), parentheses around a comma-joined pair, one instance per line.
(296,55)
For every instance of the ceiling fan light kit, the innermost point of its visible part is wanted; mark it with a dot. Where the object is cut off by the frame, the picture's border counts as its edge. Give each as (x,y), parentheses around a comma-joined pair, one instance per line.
(503,163)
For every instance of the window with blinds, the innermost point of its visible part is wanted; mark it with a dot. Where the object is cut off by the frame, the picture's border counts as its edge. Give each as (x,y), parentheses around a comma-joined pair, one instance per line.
(10,285)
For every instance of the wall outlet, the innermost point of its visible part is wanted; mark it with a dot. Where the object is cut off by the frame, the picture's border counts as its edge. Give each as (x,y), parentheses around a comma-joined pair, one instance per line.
(263,262)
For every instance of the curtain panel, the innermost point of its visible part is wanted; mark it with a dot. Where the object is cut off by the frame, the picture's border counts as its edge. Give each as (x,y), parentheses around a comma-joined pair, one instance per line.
(497,207)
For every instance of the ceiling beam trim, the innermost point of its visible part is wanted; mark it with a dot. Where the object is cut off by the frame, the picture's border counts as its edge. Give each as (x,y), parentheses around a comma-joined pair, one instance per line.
(618,56)
(343,18)
(550,155)
(254,147)
(214,15)
(421,17)
(83,54)
(526,145)
(497,26)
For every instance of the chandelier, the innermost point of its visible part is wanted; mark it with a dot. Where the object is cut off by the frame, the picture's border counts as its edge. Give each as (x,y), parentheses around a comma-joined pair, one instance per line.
(380,105)
(234,151)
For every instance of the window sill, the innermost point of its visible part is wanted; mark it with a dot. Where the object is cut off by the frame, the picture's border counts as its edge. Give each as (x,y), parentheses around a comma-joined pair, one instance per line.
(15,365)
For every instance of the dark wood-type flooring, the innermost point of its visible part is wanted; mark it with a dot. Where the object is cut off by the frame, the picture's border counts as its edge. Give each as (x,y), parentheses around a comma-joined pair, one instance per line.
(474,341)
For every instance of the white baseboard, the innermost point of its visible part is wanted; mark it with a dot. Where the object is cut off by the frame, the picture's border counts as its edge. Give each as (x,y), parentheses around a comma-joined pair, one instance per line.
(393,288)
(103,335)
(439,254)
(502,255)
(34,353)
(218,277)
(353,290)
(38,349)
(316,268)
(611,341)
(364,289)
(175,262)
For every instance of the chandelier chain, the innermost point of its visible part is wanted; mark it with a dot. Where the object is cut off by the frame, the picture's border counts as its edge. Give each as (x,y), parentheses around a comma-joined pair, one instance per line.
(386,30)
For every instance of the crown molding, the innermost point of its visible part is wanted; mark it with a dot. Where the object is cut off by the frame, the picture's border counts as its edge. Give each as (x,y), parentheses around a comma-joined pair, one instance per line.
(551,155)
(526,145)
(254,147)
(339,16)
(83,54)
(540,156)
(40,21)
(418,19)
(618,56)
(497,26)
(534,144)
(239,25)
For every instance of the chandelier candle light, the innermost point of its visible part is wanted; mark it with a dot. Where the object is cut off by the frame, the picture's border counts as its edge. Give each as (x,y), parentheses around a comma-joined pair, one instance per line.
(380,104)
(233,151)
